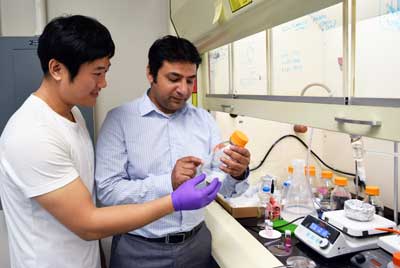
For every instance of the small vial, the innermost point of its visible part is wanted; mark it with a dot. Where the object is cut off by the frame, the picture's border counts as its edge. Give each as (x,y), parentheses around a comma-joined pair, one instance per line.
(288,241)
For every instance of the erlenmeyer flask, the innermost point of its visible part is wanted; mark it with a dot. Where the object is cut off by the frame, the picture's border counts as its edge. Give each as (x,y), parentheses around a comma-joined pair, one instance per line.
(299,200)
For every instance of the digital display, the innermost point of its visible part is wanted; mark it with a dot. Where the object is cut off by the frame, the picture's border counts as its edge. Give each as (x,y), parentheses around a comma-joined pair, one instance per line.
(319,230)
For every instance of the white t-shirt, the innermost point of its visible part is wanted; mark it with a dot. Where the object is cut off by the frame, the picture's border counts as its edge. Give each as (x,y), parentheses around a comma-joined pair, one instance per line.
(41,151)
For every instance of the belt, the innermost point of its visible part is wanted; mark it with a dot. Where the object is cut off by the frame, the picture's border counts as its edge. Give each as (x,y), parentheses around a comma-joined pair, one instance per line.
(175,238)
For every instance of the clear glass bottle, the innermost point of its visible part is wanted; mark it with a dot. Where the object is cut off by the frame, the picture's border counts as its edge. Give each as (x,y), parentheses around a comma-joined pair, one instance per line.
(325,189)
(299,200)
(312,176)
(395,263)
(372,197)
(213,162)
(290,172)
(339,194)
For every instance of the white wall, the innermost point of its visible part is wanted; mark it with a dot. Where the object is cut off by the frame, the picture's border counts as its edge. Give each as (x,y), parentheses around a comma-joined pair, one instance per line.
(17,17)
(134,26)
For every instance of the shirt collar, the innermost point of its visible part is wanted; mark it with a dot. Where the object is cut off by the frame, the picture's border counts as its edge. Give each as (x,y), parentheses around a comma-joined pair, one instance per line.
(147,106)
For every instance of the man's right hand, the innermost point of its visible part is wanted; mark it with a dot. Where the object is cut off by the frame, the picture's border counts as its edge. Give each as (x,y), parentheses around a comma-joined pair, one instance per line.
(184,169)
(188,197)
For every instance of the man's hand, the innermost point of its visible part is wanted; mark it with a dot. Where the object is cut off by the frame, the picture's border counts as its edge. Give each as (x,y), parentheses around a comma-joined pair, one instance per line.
(184,169)
(237,165)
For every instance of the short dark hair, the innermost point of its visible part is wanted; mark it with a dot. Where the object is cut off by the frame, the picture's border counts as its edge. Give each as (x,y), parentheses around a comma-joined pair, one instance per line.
(74,40)
(172,49)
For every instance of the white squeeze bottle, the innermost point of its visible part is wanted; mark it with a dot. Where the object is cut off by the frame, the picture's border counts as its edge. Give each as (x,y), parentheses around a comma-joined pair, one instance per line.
(213,162)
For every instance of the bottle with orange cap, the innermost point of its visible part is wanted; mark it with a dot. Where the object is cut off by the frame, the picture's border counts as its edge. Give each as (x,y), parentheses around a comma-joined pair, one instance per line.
(325,189)
(212,164)
(339,194)
(312,177)
(372,197)
(395,263)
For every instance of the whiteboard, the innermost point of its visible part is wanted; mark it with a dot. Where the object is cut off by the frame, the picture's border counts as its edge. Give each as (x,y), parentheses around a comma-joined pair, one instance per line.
(218,60)
(303,53)
(250,65)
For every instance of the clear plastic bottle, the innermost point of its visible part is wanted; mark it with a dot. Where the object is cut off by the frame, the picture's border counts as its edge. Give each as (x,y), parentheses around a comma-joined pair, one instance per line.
(325,189)
(299,200)
(264,196)
(339,194)
(213,162)
(395,263)
(372,197)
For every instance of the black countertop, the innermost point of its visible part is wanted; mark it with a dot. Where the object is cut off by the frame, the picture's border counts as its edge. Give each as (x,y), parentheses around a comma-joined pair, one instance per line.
(301,249)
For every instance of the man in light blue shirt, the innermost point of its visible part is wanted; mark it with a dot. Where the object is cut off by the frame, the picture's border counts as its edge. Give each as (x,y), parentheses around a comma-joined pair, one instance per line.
(148,147)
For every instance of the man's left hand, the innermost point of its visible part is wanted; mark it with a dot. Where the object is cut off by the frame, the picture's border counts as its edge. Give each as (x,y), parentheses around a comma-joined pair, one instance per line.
(238,162)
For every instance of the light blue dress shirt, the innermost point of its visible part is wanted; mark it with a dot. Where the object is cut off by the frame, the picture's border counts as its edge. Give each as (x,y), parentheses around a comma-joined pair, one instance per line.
(137,149)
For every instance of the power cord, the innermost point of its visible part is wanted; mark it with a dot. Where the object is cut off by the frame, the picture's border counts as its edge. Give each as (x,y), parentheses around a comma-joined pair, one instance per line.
(305,145)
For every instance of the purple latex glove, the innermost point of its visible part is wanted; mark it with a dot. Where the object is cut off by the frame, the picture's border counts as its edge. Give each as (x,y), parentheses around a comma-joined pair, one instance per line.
(187,197)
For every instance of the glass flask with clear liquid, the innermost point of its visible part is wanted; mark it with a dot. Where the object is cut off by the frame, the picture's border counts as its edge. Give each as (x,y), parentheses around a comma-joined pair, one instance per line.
(299,200)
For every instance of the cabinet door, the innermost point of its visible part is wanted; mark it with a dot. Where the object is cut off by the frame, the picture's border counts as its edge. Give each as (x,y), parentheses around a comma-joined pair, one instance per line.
(377,49)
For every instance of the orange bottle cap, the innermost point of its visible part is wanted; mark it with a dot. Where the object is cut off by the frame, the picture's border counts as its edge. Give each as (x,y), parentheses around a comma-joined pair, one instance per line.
(341,181)
(290,169)
(239,138)
(311,171)
(327,174)
(396,258)
(372,190)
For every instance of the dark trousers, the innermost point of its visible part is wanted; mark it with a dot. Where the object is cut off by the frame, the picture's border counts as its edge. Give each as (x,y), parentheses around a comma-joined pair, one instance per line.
(129,251)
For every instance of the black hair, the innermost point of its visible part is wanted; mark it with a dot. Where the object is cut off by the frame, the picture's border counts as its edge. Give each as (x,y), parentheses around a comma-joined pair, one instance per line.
(74,40)
(172,49)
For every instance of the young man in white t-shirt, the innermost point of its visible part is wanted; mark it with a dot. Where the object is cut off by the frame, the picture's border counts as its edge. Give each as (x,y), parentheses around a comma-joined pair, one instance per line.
(47,161)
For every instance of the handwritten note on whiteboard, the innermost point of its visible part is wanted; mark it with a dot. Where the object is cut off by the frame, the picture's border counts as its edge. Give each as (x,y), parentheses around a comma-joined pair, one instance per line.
(249,65)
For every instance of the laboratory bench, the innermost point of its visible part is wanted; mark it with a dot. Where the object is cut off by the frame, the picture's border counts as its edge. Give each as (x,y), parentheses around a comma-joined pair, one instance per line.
(236,243)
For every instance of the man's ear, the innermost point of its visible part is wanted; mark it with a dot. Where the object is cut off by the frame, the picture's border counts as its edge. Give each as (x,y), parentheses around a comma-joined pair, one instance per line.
(149,76)
(55,69)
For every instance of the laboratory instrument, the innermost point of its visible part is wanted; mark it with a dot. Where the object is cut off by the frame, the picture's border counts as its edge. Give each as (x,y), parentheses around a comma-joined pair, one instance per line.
(390,243)
(371,258)
(299,199)
(336,235)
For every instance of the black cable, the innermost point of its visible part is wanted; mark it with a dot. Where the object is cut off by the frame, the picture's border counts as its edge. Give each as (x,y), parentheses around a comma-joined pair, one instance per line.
(170,18)
(283,225)
(305,145)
